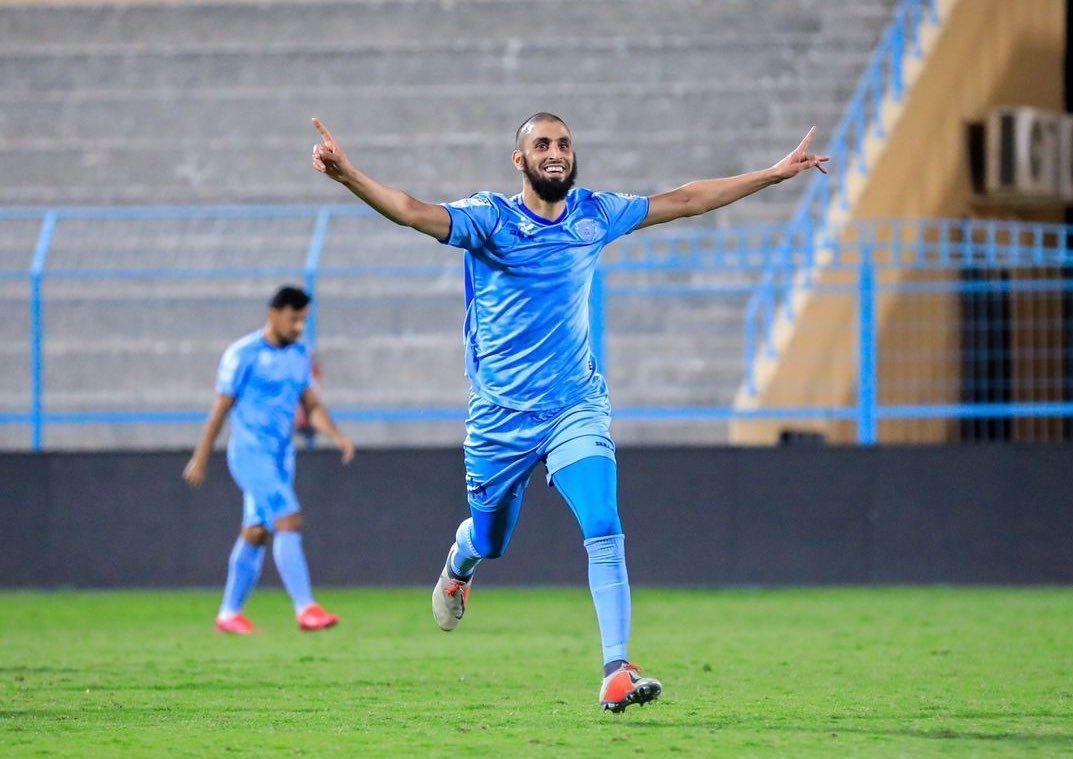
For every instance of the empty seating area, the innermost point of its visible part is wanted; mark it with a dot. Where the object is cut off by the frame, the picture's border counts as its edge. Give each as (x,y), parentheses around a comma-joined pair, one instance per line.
(208,104)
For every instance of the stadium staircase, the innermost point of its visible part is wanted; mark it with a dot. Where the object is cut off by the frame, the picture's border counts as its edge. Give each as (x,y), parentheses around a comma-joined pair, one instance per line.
(828,204)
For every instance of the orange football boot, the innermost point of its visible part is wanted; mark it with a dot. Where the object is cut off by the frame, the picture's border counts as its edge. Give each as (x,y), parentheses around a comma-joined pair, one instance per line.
(236,624)
(625,686)
(313,617)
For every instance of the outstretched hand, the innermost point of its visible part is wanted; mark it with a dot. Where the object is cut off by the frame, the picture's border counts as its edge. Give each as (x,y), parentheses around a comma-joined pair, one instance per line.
(800,160)
(328,156)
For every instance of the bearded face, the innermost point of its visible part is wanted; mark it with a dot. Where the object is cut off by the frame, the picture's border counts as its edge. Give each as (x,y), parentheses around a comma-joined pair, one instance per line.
(552,178)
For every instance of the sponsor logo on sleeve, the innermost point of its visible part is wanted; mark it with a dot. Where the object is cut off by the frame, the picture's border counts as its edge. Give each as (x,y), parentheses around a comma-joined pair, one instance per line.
(473,202)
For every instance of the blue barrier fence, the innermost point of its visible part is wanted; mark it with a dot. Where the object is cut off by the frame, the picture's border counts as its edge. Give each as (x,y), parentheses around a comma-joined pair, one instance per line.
(952,319)
(949,320)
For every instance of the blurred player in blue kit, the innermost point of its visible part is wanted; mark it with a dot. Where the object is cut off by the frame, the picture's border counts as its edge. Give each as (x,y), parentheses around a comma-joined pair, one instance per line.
(537,394)
(261,380)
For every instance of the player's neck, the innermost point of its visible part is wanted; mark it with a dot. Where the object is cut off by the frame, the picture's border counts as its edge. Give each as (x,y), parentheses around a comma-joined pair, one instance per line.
(271,337)
(541,207)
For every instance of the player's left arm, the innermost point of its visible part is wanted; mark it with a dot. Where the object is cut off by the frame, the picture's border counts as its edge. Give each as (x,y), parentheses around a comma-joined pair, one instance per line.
(706,195)
(317,413)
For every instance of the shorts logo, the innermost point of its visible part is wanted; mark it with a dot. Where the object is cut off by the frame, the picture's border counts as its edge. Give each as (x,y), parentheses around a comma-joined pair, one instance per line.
(475,489)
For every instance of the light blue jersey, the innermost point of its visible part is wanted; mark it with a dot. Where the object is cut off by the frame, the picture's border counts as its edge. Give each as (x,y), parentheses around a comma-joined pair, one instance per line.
(267,382)
(527,293)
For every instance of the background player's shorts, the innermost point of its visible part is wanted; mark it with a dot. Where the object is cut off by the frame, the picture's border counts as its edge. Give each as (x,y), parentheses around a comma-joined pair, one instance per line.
(503,446)
(267,483)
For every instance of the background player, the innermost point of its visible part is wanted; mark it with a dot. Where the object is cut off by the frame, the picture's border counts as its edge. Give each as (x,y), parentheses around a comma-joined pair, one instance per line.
(261,380)
(537,394)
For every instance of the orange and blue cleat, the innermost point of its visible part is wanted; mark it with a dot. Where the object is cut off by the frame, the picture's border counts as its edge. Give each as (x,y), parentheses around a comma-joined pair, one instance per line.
(450,597)
(625,686)
(313,617)
(236,624)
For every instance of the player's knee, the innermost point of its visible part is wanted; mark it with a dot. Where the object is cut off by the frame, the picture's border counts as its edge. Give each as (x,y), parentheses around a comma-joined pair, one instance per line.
(493,551)
(290,523)
(255,535)
(489,547)
(486,546)
(601,527)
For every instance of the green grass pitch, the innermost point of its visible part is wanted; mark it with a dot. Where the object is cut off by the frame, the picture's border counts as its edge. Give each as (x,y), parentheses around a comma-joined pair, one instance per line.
(797,672)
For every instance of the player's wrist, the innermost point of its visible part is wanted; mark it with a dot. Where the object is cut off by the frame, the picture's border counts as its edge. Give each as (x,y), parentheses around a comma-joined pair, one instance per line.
(774,175)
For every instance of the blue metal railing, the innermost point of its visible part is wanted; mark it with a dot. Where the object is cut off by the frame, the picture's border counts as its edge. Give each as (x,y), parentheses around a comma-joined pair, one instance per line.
(1031,264)
(697,263)
(882,79)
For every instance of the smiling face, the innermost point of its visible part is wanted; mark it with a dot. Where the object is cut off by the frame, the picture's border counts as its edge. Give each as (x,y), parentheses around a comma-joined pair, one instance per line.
(544,153)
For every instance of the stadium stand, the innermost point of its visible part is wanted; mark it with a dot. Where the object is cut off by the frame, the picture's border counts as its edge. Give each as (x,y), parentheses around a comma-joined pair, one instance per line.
(208,103)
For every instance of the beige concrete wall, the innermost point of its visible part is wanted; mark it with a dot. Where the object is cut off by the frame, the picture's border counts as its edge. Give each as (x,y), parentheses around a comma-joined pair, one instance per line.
(989,53)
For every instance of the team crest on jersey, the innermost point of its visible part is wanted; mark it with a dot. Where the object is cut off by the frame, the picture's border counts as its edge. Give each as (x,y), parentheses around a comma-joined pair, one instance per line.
(264,358)
(586,230)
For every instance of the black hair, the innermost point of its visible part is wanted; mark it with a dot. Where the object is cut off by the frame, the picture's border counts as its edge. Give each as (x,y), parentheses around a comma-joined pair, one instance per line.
(290,296)
(536,118)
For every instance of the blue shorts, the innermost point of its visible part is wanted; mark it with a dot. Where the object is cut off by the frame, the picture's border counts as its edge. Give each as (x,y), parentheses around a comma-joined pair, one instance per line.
(267,483)
(503,446)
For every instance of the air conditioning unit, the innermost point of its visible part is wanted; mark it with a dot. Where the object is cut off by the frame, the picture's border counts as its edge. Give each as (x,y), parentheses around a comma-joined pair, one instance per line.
(1065,158)
(1022,155)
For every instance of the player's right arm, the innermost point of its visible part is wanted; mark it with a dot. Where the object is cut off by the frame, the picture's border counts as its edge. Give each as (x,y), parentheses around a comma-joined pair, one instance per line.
(194,473)
(707,195)
(390,202)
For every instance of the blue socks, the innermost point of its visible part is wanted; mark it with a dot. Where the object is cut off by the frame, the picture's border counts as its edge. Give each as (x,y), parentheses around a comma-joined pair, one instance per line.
(243,571)
(590,488)
(610,587)
(465,558)
(291,563)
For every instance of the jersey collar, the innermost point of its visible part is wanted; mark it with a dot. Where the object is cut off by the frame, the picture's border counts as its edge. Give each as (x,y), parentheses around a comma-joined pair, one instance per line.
(540,219)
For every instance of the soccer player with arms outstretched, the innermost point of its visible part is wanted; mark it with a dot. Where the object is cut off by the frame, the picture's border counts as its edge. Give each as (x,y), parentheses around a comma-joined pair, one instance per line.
(537,395)
(261,380)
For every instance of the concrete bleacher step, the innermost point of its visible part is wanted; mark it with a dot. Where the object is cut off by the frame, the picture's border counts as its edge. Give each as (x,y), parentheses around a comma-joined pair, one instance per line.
(211,178)
(138,69)
(392,113)
(339,22)
(170,373)
(226,318)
